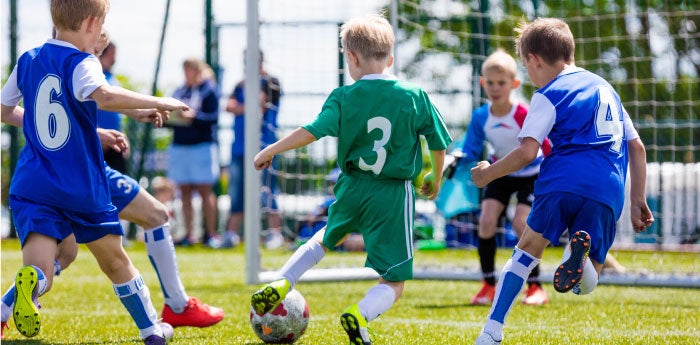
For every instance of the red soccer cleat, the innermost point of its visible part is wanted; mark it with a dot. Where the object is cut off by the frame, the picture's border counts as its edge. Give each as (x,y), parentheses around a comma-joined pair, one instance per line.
(196,314)
(485,295)
(535,295)
(2,330)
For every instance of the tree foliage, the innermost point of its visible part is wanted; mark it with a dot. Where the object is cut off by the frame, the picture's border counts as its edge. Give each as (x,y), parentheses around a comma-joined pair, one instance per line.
(649,51)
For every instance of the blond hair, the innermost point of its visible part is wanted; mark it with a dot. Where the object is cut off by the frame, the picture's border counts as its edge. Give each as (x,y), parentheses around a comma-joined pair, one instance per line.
(70,14)
(502,62)
(203,69)
(550,38)
(369,36)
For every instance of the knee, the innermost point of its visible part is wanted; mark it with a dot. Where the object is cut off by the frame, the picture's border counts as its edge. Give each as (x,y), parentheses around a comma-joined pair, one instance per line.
(156,216)
(65,258)
(487,227)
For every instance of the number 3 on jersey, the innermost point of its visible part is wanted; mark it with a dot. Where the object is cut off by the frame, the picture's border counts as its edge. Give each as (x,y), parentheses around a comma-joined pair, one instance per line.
(608,118)
(382,124)
(50,118)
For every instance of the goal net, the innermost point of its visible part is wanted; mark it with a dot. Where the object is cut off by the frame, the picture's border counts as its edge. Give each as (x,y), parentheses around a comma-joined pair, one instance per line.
(648,50)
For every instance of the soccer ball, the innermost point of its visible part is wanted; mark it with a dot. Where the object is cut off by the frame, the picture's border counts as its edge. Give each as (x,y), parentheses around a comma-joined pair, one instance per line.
(284,324)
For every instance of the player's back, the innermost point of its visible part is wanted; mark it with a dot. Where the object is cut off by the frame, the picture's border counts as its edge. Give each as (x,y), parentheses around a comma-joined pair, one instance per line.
(380,124)
(589,155)
(62,162)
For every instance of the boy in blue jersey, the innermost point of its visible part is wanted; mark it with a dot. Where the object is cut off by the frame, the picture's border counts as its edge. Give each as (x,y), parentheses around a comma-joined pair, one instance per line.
(137,206)
(581,185)
(378,121)
(59,187)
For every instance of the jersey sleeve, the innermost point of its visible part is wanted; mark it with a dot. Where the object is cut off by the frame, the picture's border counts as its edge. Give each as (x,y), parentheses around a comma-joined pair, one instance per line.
(540,119)
(327,123)
(11,94)
(630,131)
(434,129)
(476,136)
(87,77)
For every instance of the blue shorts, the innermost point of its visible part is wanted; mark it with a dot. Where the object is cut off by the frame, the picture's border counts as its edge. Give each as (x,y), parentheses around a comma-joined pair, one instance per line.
(554,213)
(58,223)
(193,164)
(122,188)
(236,186)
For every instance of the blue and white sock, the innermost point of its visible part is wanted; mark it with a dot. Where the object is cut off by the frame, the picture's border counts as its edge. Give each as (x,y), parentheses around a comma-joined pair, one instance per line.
(377,300)
(510,282)
(305,257)
(8,302)
(136,298)
(161,253)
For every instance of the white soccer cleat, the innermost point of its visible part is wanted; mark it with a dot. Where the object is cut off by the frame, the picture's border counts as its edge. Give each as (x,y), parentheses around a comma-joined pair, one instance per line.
(486,339)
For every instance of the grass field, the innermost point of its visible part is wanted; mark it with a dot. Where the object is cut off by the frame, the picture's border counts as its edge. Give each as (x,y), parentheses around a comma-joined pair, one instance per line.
(82,308)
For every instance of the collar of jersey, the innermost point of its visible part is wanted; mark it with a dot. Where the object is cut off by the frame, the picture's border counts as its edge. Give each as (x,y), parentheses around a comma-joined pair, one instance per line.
(378,77)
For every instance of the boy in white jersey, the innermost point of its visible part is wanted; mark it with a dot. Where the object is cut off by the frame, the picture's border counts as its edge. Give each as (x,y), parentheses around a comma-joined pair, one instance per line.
(498,122)
(378,121)
(62,87)
(581,185)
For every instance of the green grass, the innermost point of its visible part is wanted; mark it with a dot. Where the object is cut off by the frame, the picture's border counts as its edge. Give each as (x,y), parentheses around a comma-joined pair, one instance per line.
(82,308)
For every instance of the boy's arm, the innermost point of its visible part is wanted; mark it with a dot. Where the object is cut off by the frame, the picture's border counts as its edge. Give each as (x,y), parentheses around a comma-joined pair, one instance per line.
(483,172)
(114,98)
(433,180)
(300,137)
(12,116)
(641,215)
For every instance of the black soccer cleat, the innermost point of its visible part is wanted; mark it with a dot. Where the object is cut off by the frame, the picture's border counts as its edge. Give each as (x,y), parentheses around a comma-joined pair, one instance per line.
(569,273)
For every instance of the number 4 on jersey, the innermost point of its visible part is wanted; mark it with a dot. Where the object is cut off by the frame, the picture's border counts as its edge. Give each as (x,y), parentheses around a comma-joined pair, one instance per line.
(608,119)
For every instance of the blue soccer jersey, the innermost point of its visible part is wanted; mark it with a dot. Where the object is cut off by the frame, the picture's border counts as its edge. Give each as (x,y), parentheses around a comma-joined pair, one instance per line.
(584,119)
(61,164)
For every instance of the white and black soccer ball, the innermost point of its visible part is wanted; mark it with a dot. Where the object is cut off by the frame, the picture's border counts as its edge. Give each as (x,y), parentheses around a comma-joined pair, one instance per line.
(284,324)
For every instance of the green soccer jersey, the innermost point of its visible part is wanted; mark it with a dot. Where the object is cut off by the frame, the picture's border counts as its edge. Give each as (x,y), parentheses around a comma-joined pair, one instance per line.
(378,121)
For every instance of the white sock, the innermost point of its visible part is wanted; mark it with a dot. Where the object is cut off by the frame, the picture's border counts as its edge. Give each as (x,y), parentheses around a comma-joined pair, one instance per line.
(161,252)
(136,298)
(305,257)
(589,280)
(510,282)
(377,300)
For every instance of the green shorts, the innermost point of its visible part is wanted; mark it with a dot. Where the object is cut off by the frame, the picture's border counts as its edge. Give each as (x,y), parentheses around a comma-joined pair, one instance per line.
(383,211)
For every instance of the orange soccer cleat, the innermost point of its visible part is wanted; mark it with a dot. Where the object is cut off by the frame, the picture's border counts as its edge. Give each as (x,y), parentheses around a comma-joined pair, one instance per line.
(535,295)
(485,295)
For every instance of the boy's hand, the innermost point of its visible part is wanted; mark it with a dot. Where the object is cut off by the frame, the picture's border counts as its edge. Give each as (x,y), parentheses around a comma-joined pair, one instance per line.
(155,116)
(430,187)
(641,216)
(113,139)
(262,160)
(480,175)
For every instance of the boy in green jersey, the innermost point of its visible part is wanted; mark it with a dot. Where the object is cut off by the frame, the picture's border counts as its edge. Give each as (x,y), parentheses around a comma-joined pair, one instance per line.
(378,121)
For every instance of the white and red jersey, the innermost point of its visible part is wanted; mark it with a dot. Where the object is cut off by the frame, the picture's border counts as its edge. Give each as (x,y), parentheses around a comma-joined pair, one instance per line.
(501,132)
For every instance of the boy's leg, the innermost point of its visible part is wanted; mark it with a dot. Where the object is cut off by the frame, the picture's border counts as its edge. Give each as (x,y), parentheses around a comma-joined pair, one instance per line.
(305,257)
(179,309)
(491,210)
(377,301)
(31,281)
(535,294)
(67,251)
(128,284)
(512,279)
